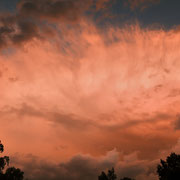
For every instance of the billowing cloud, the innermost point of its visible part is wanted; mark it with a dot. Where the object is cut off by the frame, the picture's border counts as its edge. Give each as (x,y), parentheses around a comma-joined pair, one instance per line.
(85,166)
(78,167)
(16,30)
(35,19)
(88,91)
(68,10)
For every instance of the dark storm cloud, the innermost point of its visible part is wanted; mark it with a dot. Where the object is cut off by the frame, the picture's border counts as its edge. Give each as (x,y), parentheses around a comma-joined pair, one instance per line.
(81,167)
(33,18)
(68,10)
(27,30)
(15,30)
(78,167)
(6,29)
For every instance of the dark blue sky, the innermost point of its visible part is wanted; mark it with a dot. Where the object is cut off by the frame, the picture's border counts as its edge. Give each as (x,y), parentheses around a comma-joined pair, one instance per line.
(166,13)
(9,5)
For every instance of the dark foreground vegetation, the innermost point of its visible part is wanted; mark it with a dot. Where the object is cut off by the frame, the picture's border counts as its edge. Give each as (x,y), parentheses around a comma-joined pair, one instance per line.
(11,173)
(166,170)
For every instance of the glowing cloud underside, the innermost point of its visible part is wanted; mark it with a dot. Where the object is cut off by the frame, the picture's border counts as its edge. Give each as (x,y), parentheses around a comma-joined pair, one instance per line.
(86,91)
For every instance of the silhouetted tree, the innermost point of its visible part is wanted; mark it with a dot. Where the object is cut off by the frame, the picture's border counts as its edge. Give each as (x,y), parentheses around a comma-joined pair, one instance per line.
(103,176)
(3,160)
(1,147)
(11,173)
(14,174)
(126,178)
(169,169)
(109,176)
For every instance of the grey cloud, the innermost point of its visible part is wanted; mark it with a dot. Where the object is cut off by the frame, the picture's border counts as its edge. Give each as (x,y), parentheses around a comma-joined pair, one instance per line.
(131,171)
(66,10)
(77,168)
(14,30)
(81,167)
(27,31)
(68,121)
(148,146)
(5,31)
(177,123)
(145,119)
(23,110)
(34,18)
(71,121)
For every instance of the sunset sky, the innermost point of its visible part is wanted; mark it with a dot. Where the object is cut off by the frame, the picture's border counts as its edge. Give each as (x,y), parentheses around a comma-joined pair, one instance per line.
(87,85)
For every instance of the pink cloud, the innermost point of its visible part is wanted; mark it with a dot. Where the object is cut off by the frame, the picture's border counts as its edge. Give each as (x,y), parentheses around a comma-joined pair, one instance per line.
(91,92)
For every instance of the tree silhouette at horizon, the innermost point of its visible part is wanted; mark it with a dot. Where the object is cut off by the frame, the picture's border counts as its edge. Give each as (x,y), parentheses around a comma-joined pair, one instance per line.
(11,173)
(111,176)
(126,178)
(169,169)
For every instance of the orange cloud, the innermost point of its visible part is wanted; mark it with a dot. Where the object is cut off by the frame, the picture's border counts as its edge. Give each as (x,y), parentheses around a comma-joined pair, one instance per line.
(87,92)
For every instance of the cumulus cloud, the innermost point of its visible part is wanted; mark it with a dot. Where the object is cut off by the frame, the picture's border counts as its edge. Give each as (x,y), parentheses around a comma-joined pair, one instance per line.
(78,167)
(85,167)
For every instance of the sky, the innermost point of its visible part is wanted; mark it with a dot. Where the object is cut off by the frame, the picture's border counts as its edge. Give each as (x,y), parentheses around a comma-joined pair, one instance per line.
(87,85)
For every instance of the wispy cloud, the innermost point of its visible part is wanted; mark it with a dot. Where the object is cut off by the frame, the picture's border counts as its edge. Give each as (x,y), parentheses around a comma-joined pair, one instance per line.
(85,90)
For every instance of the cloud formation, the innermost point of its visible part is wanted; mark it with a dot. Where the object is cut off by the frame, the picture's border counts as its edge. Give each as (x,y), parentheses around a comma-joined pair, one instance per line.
(85,167)
(140,4)
(61,10)
(78,167)
(15,31)
(35,19)
(76,92)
